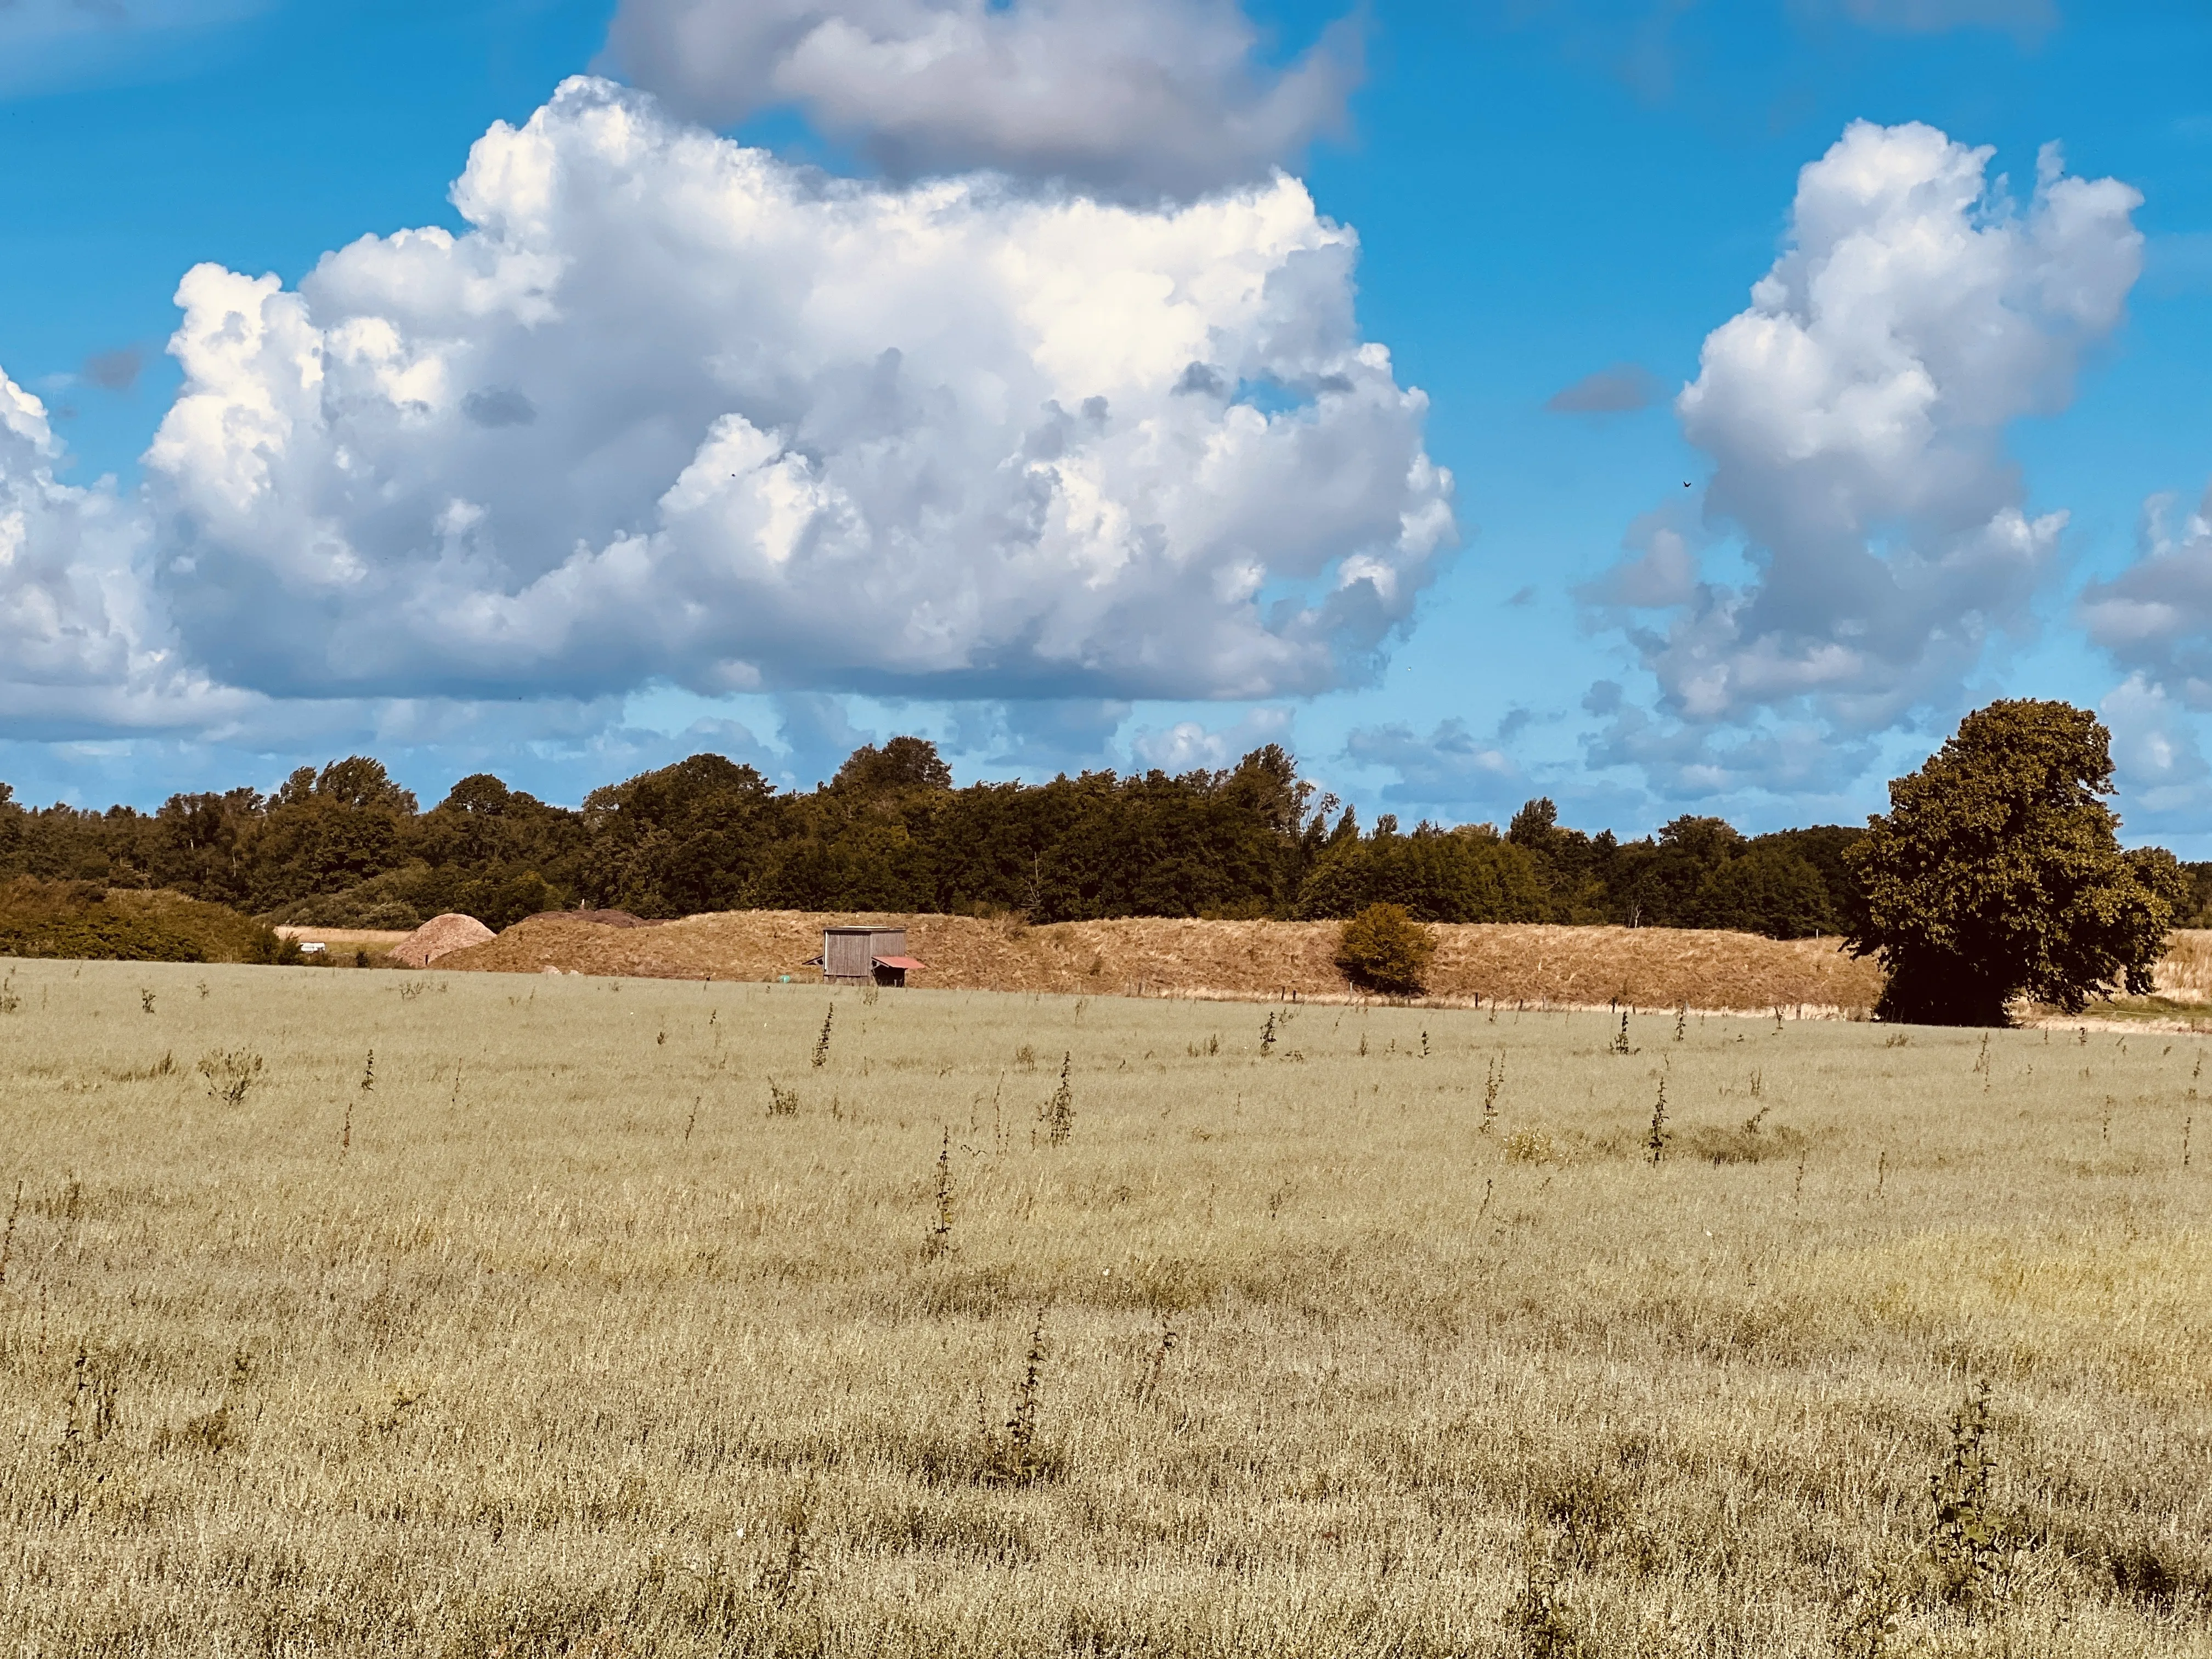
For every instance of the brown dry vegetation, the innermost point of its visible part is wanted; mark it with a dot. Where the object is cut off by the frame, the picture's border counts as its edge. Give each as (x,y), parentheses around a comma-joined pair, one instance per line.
(1646,967)
(545,1335)
(2186,973)
(2179,1002)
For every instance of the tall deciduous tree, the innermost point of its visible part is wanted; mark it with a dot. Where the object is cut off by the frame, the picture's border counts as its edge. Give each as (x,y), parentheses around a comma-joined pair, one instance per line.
(1997,873)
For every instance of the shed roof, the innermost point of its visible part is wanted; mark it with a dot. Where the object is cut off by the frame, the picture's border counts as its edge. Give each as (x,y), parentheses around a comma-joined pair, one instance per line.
(907,963)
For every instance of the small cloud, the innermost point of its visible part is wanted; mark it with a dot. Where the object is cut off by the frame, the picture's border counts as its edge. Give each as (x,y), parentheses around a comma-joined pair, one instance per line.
(1620,390)
(1663,572)
(498,406)
(1525,597)
(115,371)
(1450,767)
(1187,746)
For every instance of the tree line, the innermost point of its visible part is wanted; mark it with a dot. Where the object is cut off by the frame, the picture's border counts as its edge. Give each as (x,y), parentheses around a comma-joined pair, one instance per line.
(346,846)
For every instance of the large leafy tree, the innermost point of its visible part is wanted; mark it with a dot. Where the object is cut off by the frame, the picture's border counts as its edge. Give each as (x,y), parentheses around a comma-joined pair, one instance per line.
(1997,873)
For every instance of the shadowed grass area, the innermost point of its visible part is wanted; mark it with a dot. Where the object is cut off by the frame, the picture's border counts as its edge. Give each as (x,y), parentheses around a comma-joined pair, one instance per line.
(471,1314)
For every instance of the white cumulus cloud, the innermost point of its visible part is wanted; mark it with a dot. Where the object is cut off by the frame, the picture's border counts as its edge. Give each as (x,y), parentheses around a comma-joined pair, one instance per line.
(2155,753)
(670,410)
(1855,416)
(2155,618)
(83,650)
(1139,95)
(1190,745)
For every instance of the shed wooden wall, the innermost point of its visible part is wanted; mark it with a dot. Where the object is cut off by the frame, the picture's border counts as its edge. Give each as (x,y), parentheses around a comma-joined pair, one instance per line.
(851,955)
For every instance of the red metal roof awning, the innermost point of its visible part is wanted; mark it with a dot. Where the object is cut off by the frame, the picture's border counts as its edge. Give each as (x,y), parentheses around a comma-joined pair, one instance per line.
(907,963)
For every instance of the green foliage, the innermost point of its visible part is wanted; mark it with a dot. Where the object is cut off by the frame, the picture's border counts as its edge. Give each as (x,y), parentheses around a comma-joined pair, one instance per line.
(1971,1548)
(1997,873)
(2195,910)
(89,922)
(1384,949)
(1697,873)
(345,847)
(1766,890)
(1466,874)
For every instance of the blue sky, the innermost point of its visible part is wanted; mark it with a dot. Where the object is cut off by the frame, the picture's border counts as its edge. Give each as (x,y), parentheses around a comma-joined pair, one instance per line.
(1916,479)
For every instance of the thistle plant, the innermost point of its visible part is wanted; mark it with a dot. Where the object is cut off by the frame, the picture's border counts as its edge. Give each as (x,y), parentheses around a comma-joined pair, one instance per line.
(8,1239)
(1971,1545)
(1012,1455)
(1655,1144)
(230,1073)
(1059,1113)
(940,1233)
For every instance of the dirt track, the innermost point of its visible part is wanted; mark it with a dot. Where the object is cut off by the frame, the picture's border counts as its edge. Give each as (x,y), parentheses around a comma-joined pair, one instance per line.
(1648,967)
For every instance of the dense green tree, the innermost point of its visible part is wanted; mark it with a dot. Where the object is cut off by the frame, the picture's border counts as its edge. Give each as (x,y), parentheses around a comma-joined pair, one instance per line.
(1823,845)
(1385,948)
(688,838)
(1997,873)
(1765,889)
(1467,874)
(901,765)
(202,844)
(326,832)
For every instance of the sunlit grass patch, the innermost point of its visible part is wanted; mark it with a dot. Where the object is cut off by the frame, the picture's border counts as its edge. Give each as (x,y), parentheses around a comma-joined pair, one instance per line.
(554,1339)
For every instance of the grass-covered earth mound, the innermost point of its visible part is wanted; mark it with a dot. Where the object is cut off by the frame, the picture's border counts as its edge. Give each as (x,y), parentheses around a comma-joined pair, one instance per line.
(90,923)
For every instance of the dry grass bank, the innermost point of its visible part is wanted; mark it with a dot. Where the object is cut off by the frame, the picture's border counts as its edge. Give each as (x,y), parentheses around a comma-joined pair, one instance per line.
(545,1337)
(2185,974)
(1649,967)
(2181,1001)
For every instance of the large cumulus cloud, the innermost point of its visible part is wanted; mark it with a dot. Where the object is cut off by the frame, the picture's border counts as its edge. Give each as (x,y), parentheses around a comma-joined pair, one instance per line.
(83,650)
(1138,96)
(1854,415)
(671,410)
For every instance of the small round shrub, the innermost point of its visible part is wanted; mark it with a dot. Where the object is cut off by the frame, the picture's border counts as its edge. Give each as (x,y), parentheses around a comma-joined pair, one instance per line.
(1384,949)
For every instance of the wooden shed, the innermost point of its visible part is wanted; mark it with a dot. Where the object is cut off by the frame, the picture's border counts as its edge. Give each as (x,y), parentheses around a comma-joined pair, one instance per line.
(865,956)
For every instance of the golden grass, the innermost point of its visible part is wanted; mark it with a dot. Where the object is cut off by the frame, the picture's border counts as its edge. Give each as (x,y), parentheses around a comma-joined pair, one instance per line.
(2186,973)
(1542,966)
(552,1340)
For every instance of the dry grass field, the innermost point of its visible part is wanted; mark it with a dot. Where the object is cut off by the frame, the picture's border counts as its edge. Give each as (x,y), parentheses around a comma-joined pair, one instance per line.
(597,1317)
(1539,965)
